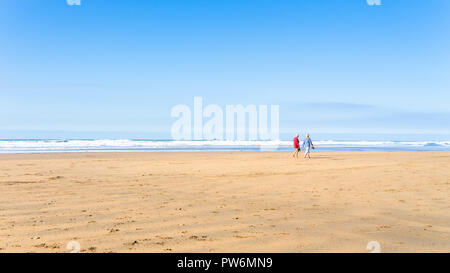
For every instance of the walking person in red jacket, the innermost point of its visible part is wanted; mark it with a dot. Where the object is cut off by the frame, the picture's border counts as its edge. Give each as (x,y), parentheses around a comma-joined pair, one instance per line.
(296,146)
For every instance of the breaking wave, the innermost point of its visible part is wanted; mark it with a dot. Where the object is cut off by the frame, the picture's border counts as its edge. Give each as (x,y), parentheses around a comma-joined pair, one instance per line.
(96,145)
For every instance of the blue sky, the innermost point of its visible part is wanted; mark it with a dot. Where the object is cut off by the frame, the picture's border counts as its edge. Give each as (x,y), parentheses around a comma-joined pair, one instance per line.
(334,67)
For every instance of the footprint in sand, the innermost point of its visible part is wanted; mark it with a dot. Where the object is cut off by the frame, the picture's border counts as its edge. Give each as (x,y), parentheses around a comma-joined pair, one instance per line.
(55,177)
(130,244)
(202,238)
(44,245)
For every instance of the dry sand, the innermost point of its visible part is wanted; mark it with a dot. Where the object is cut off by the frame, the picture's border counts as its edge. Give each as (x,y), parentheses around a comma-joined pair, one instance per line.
(225,202)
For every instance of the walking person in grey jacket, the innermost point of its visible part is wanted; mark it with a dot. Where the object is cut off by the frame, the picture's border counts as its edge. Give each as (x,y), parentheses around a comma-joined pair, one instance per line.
(307,145)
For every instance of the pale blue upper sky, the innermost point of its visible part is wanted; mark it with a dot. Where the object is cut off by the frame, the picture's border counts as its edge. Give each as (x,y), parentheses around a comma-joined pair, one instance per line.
(119,66)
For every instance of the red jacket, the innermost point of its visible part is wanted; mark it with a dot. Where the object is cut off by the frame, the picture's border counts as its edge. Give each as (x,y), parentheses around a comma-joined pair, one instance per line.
(296,143)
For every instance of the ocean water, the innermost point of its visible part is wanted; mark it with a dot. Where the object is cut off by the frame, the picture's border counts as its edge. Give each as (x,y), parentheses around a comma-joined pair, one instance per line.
(115,145)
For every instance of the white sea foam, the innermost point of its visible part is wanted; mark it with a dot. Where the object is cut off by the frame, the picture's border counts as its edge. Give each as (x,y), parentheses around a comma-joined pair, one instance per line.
(31,146)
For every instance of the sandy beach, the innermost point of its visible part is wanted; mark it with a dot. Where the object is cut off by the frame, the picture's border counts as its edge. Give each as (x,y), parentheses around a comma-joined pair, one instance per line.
(225,202)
